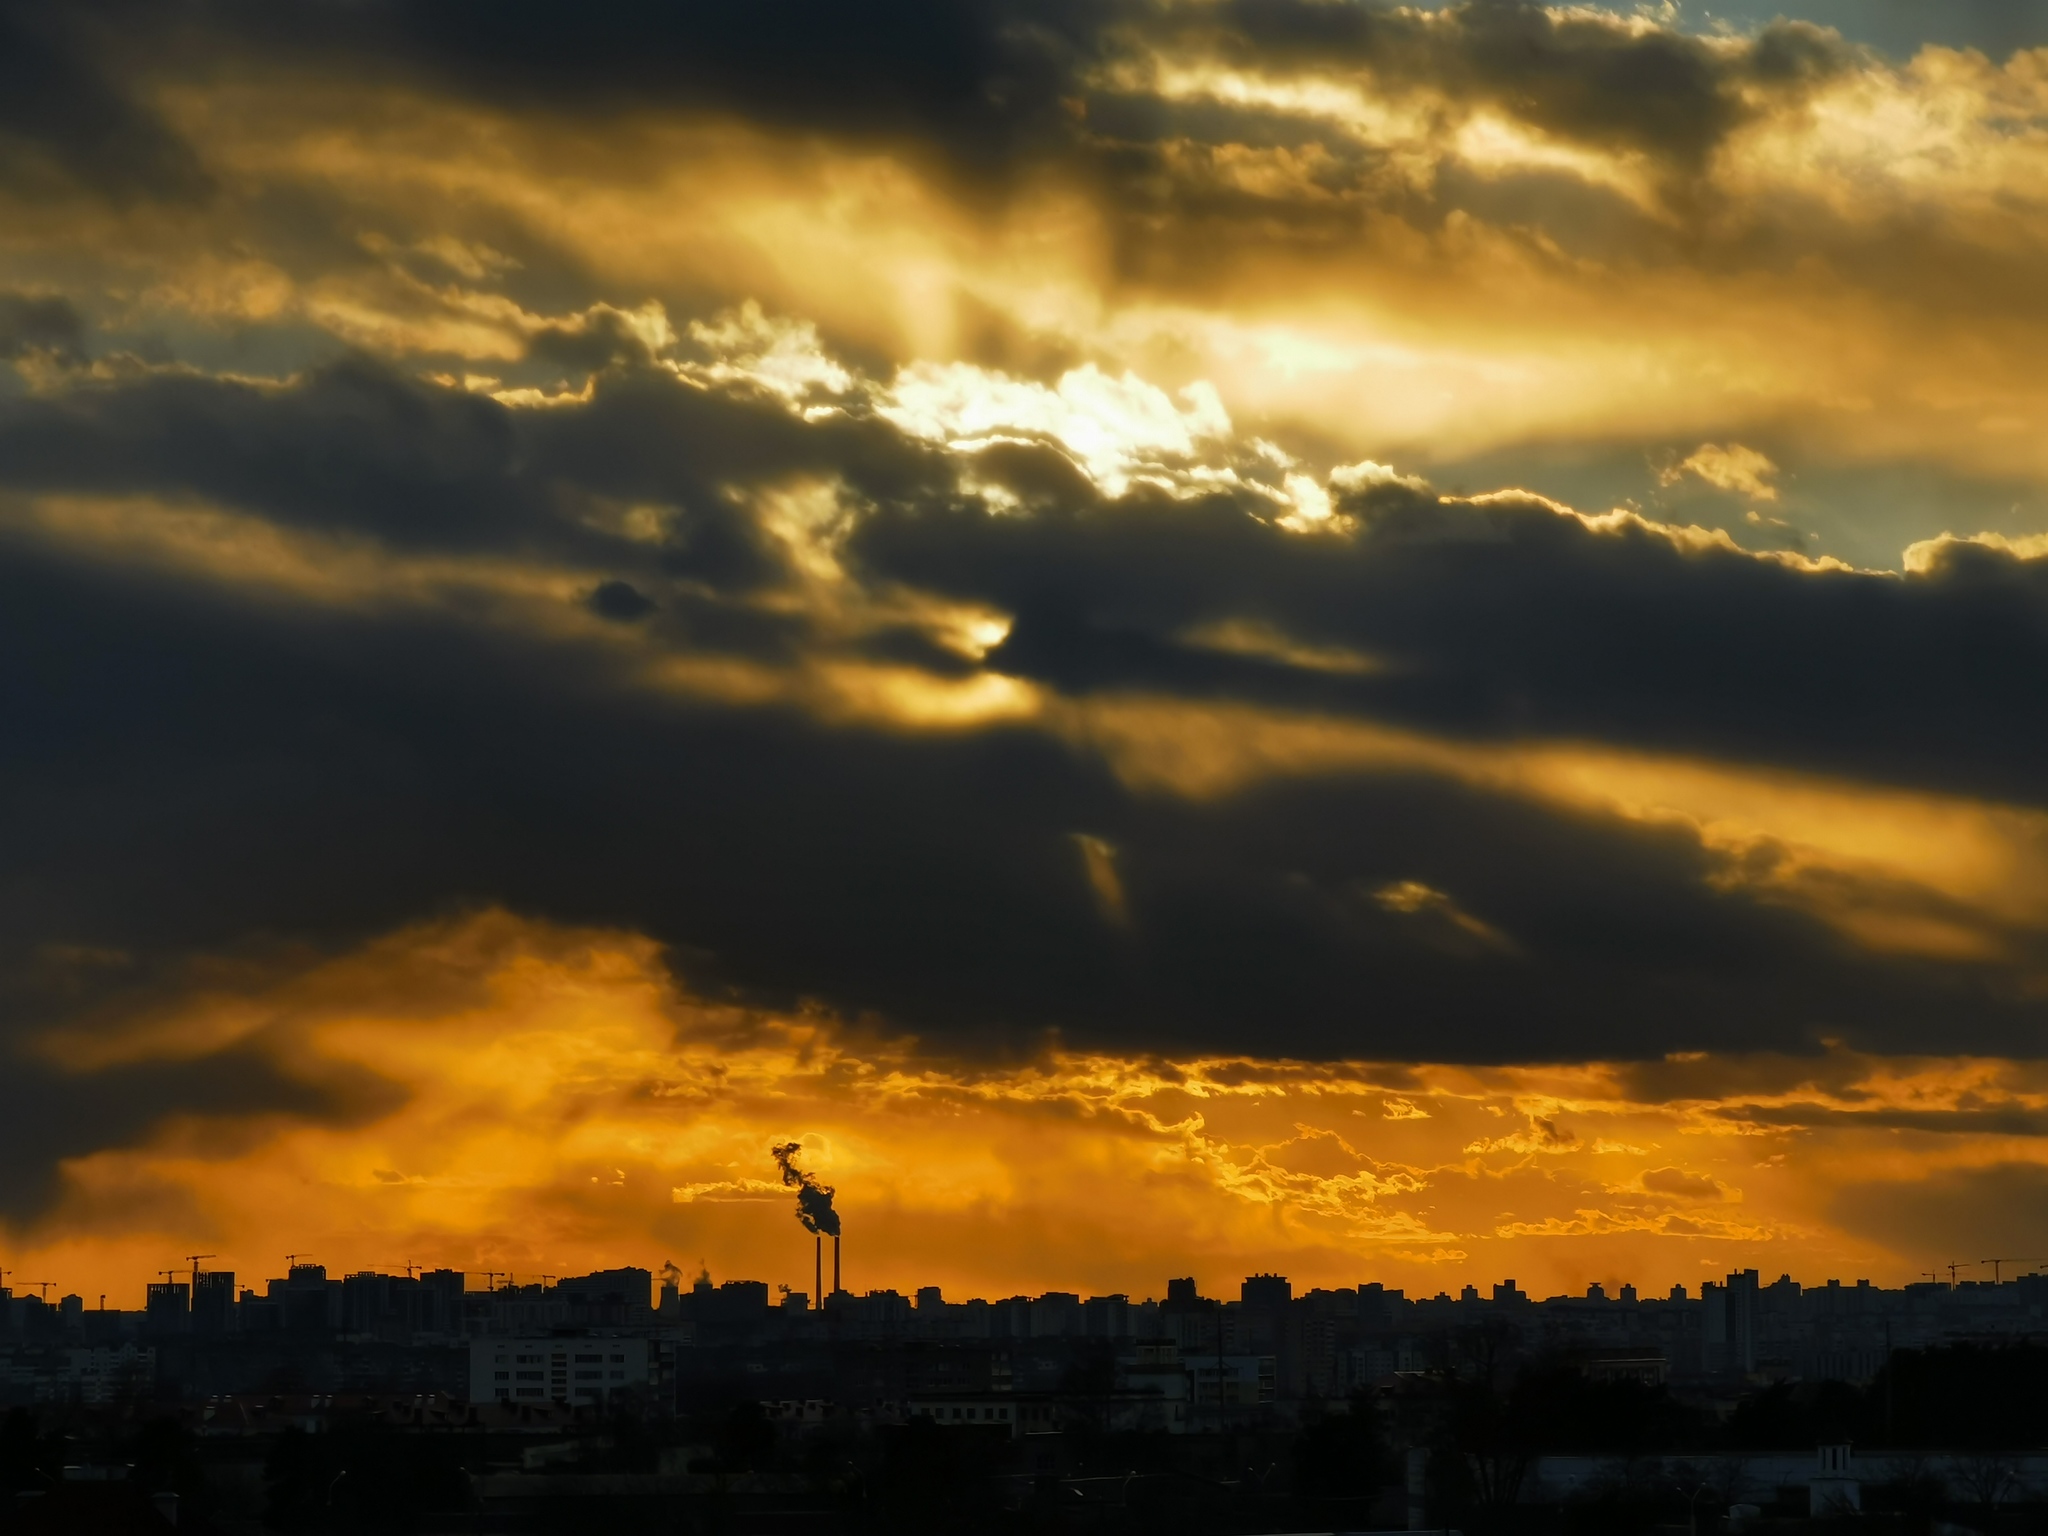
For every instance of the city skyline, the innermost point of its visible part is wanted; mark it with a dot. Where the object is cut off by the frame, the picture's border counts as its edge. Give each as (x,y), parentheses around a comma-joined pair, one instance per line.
(1274,1350)
(1949,1274)
(1160,637)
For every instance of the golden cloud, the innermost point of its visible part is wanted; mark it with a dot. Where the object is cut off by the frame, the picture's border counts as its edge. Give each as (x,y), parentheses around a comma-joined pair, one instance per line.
(1804,280)
(554,1100)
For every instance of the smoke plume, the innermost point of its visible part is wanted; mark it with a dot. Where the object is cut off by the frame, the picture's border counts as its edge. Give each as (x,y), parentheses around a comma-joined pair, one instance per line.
(813,1200)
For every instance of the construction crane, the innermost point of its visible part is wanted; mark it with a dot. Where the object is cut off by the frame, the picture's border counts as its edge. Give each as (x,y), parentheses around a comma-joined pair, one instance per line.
(44,1285)
(1952,1268)
(193,1259)
(491,1278)
(1933,1275)
(1995,1263)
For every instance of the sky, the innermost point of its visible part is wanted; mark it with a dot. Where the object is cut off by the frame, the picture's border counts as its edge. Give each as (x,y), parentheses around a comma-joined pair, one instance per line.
(1186,636)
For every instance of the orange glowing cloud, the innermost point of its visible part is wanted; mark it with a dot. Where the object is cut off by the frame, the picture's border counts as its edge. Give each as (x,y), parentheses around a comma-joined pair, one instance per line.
(551,1101)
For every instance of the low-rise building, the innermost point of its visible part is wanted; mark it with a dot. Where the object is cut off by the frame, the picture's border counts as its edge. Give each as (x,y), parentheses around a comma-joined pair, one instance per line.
(568,1369)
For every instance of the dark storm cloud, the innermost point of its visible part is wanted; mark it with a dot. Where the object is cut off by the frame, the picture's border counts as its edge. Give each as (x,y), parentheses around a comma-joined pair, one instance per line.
(68,118)
(978,82)
(1487,621)
(355,445)
(1661,96)
(992,78)
(619,601)
(1949,1212)
(330,777)
(985,86)
(1965,1120)
(1507,620)
(48,1115)
(359,446)
(39,323)
(1592,80)
(317,774)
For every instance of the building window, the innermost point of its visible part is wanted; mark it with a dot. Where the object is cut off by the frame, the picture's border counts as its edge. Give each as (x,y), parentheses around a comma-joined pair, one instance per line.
(618,1359)
(530,1392)
(531,1375)
(502,1375)
(590,1375)
(590,1359)
(618,1375)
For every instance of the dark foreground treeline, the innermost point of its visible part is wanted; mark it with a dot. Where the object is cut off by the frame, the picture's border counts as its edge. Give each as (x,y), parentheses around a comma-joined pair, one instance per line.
(1479,1432)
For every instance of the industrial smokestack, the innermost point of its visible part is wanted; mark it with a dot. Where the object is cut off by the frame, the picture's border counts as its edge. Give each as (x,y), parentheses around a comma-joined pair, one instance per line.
(813,1209)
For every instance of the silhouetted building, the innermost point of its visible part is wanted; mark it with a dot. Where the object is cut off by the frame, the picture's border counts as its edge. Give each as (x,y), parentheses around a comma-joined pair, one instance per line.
(213,1301)
(304,1294)
(167,1308)
(1728,1334)
(1267,1292)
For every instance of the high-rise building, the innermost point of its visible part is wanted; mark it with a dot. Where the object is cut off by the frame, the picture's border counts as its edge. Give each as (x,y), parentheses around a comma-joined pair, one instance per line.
(213,1301)
(1269,1291)
(167,1308)
(1728,1323)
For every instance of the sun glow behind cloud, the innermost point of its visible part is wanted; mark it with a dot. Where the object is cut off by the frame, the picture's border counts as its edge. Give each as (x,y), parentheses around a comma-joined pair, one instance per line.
(1461,337)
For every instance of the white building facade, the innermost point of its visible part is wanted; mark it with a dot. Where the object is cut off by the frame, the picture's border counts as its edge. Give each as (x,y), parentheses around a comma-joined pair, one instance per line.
(582,1372)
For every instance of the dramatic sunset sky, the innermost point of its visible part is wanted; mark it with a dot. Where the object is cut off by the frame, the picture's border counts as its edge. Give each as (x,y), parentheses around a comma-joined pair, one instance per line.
(1190,636)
